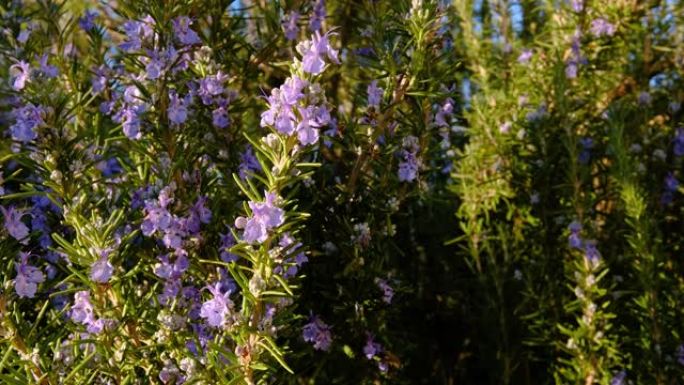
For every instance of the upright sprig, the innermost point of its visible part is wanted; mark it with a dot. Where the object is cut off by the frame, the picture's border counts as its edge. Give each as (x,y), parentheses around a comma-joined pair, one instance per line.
(296,112)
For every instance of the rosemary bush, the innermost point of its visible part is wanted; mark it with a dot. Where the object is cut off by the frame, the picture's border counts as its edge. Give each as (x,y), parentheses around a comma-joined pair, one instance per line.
(341,192)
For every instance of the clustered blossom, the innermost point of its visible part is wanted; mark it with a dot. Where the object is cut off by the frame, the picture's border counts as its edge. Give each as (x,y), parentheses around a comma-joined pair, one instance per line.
(317,16)
(372,350)
(248,163)
(374,94)
(576,58)
(227,241)
(181,27)
(82,312)
(174,231)
(387,290)
(314,52)
(101,270)
(45,69)
(28,118)
(130,113)
(217,310)
(362,234)
(178,107)
(410,163)
(290,26)
(525,56)
(444,113)
(137,32)
(19,75)
(317,333)
(575,241)
(601,27)
(265,216)
(293,259)
(679,143)
(13,224)
(28,277)
(577,5)
(288,117)
(619,378)
(87,22)
(211,87)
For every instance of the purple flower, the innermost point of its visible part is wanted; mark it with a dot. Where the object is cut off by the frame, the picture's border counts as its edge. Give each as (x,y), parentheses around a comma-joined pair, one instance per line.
(220,118)
(98,80)
(87,21)
(307,128)
(577,5)
(136,32)
(217,309)
(291,90)
(154,67)
(574,239)
(227,241)
(374,94)
(211,86)
(82,312)
(157,218)
(171,270)
(388,291)
(130,117)
(265,216)
(313,51)
(281,102)
(408,167)
(591,253)
(14,226)
(289,25)
(317,16)
(444,113)
(28,118)
(109,167)
(525,56)
(248,163)
(601,27)
(318,333)
(372,348)
(571,70)
(171,289)
(619,378)
(174,233)
(199,214)
(24,35)
(28,278)
(671,183)
(644,98)
(576,58)
(679,142)
(19,75)
(181,27)
(101,271)
(49,71)
(178,108)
